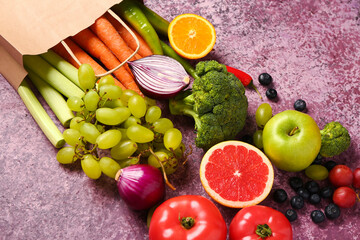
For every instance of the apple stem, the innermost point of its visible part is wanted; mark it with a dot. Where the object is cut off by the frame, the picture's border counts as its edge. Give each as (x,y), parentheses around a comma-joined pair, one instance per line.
(292,132)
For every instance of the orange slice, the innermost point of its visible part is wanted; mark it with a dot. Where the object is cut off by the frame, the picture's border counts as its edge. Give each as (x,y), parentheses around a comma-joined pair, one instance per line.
(191,36)
(236,174)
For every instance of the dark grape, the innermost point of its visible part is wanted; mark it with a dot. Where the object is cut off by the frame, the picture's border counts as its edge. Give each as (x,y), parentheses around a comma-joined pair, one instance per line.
(314,198)
(291,215)
(332,211)
(280,195)
(295,183)
(303,193)
(312,186)
(297,202)
(326,192)
(265,79)
(330,165)
(317,216)
(271,93)
(300,105)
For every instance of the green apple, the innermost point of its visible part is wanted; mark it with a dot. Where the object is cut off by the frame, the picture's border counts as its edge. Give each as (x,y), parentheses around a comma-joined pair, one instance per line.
(291,140)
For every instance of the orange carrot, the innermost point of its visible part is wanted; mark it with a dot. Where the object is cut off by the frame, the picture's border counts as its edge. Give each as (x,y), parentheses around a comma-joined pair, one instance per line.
(87,40)
(111,38)
(144,49)
(82,56)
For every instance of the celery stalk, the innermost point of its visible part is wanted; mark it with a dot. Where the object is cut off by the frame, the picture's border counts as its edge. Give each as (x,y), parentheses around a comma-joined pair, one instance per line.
(62,66)
(40,115)
(52,76)
(53,98)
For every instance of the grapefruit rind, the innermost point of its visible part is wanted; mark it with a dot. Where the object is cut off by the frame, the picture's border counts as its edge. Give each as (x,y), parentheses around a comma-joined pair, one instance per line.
(236,204)
(182,52)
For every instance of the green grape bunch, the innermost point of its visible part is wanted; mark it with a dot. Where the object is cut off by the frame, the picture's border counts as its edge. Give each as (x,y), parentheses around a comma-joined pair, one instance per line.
(115,128)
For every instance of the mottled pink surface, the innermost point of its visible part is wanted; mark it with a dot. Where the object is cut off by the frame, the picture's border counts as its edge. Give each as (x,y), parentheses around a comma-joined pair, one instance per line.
(311,48)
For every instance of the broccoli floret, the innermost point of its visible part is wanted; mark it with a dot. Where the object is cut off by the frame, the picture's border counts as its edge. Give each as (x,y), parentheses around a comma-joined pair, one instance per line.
(335,139)
(217,102)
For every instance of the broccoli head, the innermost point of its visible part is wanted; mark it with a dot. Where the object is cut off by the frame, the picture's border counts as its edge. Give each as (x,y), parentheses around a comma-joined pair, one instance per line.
(335,139)
(217,102)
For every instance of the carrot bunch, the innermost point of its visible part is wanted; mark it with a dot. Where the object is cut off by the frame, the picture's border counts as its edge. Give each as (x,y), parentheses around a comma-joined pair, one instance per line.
(105,45)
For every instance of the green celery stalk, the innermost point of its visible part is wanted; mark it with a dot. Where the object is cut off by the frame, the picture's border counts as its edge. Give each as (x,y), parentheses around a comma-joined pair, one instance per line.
(40,115)
(53,98)
(62,66)
(52,76)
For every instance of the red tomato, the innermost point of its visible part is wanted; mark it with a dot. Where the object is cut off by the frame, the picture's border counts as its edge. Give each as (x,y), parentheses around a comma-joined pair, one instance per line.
(341,175)
(356,178)
(250,224)
(344,197)
(187,217)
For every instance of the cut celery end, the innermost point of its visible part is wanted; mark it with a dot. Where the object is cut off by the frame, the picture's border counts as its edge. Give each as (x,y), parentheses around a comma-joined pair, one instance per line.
(62,66)
(53,98)
(44,121)
(52,76)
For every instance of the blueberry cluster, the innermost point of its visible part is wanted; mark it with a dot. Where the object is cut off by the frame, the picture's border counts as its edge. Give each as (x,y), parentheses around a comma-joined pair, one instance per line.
(310,192)
(265,79)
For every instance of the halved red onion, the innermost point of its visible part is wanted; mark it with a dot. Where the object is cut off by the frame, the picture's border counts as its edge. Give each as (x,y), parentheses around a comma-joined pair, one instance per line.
(141,186)
(159,76)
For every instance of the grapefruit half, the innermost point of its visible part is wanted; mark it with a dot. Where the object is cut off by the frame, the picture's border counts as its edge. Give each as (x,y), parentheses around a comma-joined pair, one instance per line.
(236,174)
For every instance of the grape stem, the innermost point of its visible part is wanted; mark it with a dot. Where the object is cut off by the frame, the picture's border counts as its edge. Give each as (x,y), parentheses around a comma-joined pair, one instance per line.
(163,169)
(187,155)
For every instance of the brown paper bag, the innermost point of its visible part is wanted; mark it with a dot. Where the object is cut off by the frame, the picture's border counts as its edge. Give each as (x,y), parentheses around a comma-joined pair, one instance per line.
(29,27)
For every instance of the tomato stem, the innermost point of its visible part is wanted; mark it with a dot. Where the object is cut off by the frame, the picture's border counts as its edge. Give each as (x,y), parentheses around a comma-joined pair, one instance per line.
(187,222)
(263,231)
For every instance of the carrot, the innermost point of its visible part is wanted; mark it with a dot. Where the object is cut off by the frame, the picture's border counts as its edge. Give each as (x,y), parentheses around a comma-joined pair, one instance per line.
(112,39)
(82,56)
(144,49)
(87,40)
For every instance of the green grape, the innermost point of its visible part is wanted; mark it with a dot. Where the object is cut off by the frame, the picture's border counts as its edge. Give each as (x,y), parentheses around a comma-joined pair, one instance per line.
(127,93)
(131,121)
(109,166)
(143,149)
(149,101)
(128,162)
(153,161)
(75,103)
(123,134)
(137,106)
(114,103)
(140,134)
(124,113)
(106,80)
(76,122)
(91,166)
(66,155)
(162,125)
(110,91)
(108,139)
(258,139)
(111,116)
(172,138)
(101,128)
(171,165)
(152,114)
(317,172)
(86,76)
(71,136)
(123,149)
(263,114)
(91,100)
(90,132)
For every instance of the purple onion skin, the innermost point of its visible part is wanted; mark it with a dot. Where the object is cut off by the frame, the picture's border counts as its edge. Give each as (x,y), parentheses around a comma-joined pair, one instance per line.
(141,186)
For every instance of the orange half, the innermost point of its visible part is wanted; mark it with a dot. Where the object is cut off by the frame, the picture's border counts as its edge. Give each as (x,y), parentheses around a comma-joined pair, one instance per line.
(236,174)
(191,36)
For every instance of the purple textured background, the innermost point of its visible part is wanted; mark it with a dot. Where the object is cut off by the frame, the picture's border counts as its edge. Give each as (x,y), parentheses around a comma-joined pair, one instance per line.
(311,48)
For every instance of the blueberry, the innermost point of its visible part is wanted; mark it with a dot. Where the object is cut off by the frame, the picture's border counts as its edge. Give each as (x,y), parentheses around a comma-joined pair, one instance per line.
(326,192)
(330,165)
(317,216)
(300,105)
(312,187)
(297,202)
(265,79)
(314,198)
(302,192)
(295,183)
(271,93)
(318,160)
(280,195)
(332,211)
(291,215)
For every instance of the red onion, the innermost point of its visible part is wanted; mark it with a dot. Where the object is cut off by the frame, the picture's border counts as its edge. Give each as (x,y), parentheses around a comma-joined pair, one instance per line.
(159,76)
(141,186)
